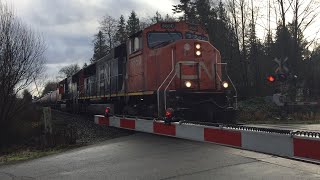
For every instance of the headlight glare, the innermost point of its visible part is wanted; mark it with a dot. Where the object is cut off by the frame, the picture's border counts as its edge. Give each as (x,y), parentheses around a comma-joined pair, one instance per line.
(225,85)
(188,84)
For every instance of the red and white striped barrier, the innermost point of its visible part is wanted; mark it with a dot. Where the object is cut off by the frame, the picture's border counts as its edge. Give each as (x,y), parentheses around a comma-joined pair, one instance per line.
(290,146)
(306,148)
(101,120)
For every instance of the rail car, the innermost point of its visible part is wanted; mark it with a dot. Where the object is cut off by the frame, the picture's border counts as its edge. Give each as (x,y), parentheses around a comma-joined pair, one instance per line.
(167,70)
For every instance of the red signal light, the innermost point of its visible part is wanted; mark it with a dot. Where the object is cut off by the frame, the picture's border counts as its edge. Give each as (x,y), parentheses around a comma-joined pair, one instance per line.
(169,113)
(271,78)
(107,111)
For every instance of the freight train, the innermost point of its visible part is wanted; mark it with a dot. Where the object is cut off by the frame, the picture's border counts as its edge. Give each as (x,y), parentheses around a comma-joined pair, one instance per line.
(167,70)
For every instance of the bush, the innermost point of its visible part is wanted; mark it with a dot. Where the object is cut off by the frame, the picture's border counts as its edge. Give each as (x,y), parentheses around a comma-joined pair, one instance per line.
(257,109)
(25,126)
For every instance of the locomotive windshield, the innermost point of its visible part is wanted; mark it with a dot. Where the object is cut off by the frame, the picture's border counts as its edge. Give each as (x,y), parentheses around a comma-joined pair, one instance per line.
(157,39)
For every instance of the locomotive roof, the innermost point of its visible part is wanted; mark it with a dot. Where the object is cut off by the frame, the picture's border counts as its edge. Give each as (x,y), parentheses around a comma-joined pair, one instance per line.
(180,24)
(174,25)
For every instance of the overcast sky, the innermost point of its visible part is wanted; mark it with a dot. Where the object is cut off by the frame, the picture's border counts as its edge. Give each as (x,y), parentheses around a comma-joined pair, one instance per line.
(68,26)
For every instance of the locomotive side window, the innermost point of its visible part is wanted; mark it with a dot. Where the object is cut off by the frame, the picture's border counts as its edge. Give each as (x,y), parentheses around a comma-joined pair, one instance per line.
(156,39)
(135,44)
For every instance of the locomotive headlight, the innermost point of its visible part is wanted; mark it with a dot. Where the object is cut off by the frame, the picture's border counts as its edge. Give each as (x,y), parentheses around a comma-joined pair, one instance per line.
(198,53)
(198,46)
(188,84)
(225,85)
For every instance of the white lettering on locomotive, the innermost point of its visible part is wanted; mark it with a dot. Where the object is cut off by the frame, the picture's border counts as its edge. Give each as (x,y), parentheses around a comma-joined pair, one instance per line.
(201,66)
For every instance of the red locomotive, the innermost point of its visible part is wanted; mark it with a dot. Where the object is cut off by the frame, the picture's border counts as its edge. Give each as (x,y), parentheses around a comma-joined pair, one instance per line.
(166,66)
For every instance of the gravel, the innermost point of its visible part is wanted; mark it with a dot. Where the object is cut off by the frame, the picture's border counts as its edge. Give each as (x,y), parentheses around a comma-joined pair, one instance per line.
(87,131)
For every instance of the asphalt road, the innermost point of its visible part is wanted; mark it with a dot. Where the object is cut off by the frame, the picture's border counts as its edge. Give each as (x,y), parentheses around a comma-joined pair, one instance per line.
(147,156)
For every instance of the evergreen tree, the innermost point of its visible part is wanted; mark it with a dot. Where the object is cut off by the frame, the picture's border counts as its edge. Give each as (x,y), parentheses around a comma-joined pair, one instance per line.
(254,69)
(203,9)
(268,44)
(187,7)
(100,47)
(121,34)
(313,72)
(133,24)
(27,97)
(226,40)
(283,43)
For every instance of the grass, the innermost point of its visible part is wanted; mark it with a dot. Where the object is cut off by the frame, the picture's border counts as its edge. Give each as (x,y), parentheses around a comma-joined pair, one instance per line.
(260,110)
(25,153)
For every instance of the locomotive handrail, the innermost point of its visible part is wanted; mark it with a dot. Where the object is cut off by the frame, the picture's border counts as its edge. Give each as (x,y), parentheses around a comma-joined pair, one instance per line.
(158,96)
(234,87)
(165,91)
(216,71)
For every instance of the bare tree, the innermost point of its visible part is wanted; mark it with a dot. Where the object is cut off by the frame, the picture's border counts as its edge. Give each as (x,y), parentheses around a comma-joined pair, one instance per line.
(21,61)
(283,11)
(156,18)
(232,7)
(108,26)
(145,22)
(238,10)
(68,71)
(243,10)
(305,13)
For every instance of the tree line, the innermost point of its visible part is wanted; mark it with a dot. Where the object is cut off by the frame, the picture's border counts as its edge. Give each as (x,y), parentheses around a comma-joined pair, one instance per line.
(113,32)
(232,26)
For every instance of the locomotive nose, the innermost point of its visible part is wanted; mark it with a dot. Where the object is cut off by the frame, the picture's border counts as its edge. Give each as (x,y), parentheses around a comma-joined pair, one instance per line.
(195,66)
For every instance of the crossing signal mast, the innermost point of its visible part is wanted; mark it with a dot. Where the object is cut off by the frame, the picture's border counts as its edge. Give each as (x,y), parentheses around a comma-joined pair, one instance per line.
(277,78)
(281,72)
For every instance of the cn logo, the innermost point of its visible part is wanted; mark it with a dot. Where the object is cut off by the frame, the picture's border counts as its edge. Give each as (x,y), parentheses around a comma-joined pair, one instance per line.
(198,68)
